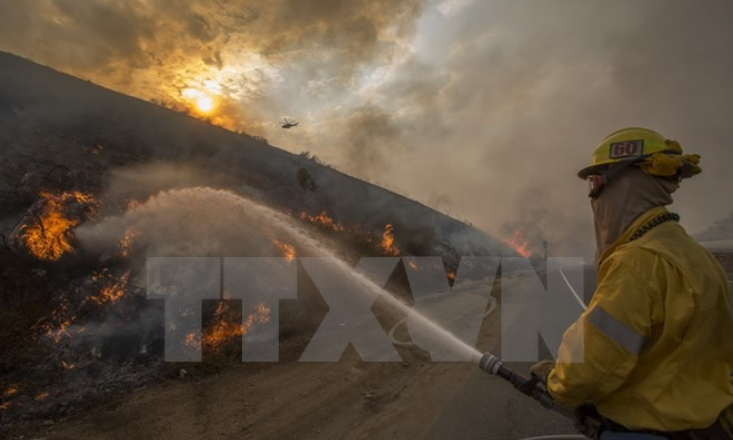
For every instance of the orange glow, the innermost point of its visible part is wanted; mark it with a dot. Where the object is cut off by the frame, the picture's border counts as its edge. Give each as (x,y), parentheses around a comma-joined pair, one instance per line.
(133,203)
(48,237)
(519,243)
(192,340)
(387,245)
(11,391)
(227,326)
(62,331)
(322,220)
(202,102)
(126,242)
(451,276)
(42,396)
(114,290)
(223,329)
(261,315)
(205,104)
(287,250)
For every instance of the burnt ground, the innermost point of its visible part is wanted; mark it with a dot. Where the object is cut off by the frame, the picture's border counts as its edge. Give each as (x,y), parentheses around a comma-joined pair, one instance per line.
(294,400)
(415,398)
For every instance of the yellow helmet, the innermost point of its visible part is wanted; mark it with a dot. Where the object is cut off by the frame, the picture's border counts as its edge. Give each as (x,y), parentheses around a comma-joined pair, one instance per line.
(629,145)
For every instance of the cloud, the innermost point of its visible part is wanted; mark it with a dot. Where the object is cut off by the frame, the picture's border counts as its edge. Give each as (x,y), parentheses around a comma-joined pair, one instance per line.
(491,105)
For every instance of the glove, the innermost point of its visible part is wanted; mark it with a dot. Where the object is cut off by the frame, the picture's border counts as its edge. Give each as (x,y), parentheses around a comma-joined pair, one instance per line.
(588,421)
(542,369)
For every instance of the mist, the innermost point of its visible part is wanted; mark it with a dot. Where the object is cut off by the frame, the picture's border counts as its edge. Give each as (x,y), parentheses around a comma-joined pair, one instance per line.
(483,109)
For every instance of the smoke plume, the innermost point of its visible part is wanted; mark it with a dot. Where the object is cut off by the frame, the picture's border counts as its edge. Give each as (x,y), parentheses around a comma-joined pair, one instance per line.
(488,107)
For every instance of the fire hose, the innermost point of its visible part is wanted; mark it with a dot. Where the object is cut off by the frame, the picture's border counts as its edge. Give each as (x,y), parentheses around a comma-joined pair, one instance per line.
(531,387)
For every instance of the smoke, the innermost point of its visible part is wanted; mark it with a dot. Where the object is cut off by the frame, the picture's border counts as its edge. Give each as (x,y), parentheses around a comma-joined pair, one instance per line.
(488,107)
(243,51)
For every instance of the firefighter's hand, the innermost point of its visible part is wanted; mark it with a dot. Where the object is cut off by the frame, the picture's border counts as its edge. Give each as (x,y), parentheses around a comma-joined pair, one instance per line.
(588,421)
(542,369)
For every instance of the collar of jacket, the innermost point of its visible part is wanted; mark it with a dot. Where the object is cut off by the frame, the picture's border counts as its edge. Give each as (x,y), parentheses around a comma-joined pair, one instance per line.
(626,236)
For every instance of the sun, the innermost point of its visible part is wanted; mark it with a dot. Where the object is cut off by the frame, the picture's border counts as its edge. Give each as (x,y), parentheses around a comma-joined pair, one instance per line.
(201,101)
(205,104)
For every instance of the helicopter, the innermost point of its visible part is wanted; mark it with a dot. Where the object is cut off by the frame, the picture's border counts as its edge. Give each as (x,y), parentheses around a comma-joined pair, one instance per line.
(287,124)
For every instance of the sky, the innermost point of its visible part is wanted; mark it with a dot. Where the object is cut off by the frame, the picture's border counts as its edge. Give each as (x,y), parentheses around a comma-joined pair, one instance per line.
(482,109)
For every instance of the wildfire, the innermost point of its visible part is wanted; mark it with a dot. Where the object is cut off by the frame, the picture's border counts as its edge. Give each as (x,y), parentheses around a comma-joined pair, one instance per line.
(126,242)
(61,331)
(387,245)
(48,237)
(451,276)
(42,396)
(223,329)
(227,326)
(261,315)
(519,243)
(114,290)
(11,391)
(59,326)
(322,220)
(287,250)
(192,340)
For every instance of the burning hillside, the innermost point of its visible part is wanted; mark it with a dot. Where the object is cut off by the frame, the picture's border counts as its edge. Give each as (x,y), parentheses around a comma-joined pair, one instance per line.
(89,192)
(45,231)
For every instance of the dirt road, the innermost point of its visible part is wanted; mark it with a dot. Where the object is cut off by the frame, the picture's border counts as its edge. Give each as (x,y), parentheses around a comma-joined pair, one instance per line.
(351,399)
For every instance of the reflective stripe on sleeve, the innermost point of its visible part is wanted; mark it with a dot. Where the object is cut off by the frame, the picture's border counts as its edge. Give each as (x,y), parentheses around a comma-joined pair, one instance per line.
(616,330)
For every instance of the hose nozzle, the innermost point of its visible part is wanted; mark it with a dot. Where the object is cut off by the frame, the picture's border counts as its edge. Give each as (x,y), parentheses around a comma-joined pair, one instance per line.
(530,387)
(490,364)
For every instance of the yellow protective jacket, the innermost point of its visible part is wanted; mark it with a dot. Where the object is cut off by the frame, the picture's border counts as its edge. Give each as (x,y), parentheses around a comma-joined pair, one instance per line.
(657,337)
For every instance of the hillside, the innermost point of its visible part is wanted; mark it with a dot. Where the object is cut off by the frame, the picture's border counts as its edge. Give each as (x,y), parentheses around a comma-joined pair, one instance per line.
(54,123)
(92,182)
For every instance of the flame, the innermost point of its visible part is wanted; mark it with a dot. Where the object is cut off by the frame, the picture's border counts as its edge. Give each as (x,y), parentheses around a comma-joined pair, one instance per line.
(114,290)
(451,276)
(322,220)
(48,237)
(62,331)
(67,366)
(60,318)
(11,391)
(192,340)
(387,245)
(519,243)
(223,329)
(413,265)
(227,327)
(42,396)
(287,250)
(261,315)
(126,242)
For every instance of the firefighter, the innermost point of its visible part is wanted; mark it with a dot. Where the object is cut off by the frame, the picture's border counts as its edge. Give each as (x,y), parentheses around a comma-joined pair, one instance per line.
(657,337)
